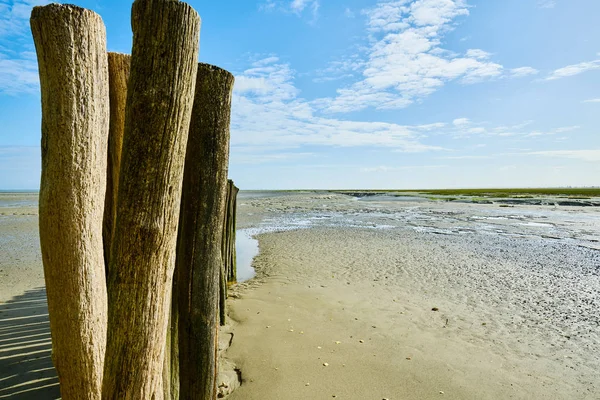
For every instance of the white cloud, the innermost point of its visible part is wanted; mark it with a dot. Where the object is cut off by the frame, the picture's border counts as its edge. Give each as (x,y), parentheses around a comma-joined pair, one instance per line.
(429,127)
(466,157)
(18,72)
(405,61)
(268,111)
(478,54)
(267,79)
(591,101)
(18,68)
(299,5)
(575,69)
(339,70)
(523,71)
(14,15)
(582,155)
(476,131)
(268,5)
(272,123)
(546,3)
(349,13)
(554,131)
(385,168)
(265,61)
(261,157)
(294,6)
(464,128)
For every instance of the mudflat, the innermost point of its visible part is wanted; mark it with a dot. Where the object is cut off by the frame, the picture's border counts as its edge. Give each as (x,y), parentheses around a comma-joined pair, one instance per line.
(371,298)
(385,299)
(26,370)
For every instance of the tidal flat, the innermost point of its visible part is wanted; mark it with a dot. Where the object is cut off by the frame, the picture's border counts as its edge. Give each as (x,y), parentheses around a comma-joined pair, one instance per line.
(413,298)
(369,298)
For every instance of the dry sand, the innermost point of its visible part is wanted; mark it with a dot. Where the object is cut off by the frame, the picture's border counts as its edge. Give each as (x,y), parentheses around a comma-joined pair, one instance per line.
(516,292)
(26,370)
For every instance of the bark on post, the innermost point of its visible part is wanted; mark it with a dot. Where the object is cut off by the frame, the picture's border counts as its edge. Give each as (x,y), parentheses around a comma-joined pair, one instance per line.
(71,49)
(171,362)
(228,266)
(225,260)
(232,276)
(200,235)
(118,75)
(223,293)
(160,95)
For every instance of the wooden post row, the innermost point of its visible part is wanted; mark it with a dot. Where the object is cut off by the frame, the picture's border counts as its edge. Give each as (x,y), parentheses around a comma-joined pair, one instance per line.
(228,266)
(133,202)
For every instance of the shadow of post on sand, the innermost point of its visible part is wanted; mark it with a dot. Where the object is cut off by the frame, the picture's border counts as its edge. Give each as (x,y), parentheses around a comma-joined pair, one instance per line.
(26,370)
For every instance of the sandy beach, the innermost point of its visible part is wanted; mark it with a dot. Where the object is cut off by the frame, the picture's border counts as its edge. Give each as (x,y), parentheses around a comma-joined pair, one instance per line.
(344,298)
(26,370)
(375,298)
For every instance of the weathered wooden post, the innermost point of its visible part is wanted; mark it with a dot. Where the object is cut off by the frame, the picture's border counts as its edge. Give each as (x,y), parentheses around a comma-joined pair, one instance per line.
(231,214)
(160,95)
(225,259)
(71,49)
(118,75)
(171,362)
(228,266)
(200,233)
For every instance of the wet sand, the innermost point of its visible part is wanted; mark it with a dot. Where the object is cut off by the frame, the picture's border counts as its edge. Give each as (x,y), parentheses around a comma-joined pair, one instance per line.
(26,370)
(515,293)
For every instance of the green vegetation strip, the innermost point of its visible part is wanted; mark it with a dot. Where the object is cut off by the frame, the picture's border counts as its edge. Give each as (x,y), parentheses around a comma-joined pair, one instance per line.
(573,193)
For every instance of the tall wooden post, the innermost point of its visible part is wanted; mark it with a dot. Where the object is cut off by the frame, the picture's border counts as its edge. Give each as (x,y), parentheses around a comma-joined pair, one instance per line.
(228,266)
(171,362)
(231,213)
(71,49)
(200,234)
(118,75)
(160,95)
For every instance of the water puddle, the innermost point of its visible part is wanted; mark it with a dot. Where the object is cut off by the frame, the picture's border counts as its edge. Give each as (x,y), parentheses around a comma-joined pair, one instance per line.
(246,248)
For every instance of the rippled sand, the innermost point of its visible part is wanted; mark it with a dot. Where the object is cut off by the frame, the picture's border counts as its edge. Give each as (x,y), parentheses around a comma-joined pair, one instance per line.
(516,289)
(516,293)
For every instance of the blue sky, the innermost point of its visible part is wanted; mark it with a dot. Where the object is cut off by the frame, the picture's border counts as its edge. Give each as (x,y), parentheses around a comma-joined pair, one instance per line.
(369,94)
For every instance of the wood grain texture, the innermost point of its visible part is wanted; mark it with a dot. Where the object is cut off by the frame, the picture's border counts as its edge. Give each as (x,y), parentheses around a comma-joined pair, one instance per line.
(71,50)
(201,232)
(228,266)
(171,362)
(160,95)
(118,76)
